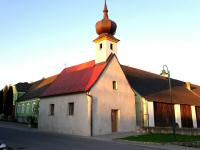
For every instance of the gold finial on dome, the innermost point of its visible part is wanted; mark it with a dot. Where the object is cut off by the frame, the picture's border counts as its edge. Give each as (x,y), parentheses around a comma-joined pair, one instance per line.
(105,11)
(106,26)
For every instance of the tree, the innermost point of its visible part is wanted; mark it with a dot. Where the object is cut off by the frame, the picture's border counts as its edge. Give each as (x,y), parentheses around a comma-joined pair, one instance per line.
(5,91)
(8,107)
(1,101)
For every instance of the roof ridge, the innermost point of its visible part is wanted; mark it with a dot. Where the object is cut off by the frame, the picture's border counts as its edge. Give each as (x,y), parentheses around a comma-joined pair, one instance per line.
(37,86)
(141,70)
(80,66)
(108,60)
(151,73)
(46,81)
(194,93)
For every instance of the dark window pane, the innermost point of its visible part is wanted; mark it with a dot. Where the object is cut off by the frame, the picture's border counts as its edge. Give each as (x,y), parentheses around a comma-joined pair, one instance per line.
(71,109)
(101,46)
(114,85)
(51,109)
(111,46)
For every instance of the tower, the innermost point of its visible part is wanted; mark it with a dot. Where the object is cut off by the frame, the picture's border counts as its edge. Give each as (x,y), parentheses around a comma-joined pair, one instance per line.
(106,43)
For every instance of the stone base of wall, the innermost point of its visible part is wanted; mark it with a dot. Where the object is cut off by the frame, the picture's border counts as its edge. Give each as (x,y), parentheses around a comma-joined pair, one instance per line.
(189,144)
(22,120)
(168,130)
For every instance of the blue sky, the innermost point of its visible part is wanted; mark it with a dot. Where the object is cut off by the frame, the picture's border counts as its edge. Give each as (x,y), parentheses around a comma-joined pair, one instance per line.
(38,38)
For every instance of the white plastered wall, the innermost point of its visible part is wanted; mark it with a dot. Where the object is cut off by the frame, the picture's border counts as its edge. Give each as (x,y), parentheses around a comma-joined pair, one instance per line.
(105,99)
(151,113)
(61,121)
(194,117)
(177,109)
(104,53)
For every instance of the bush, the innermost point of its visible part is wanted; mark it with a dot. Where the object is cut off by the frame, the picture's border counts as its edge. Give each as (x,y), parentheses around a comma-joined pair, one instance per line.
(8,101)
(32,121)
(10,118)
(3,117)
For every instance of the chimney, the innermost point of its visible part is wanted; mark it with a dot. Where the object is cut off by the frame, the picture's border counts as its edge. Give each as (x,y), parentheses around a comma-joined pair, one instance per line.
(188,86)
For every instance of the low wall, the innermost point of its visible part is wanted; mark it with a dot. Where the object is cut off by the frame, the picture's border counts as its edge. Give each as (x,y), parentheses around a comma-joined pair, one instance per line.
(22,120)
(167,130)
(189,144)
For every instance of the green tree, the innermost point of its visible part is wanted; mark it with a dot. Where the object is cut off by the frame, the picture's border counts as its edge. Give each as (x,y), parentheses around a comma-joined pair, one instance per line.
(1,101)
(8,107)
(5,91)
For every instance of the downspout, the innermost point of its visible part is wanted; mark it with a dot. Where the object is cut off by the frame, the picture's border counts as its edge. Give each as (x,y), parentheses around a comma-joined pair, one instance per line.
(91,114)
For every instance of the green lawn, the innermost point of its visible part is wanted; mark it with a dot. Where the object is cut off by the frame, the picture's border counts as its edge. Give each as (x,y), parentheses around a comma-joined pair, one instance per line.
(10,148)
(162,138)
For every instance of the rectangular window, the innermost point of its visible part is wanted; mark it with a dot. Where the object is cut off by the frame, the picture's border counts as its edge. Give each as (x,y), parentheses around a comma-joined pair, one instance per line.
(19,109)
(101,46)
(114,85)
(71,109)
(28,107)
(111,46)
(51,109)
(32,108)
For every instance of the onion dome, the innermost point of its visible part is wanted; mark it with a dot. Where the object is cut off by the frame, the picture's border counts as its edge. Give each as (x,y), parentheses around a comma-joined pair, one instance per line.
(106,26)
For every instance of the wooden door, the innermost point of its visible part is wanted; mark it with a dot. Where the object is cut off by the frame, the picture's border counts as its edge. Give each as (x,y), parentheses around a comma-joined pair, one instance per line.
(198,116)
(114,120)
(163,114)
(186,116)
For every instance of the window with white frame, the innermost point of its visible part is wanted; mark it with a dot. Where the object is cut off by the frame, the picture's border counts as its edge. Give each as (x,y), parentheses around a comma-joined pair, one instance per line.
(22,108)
(28,108)
(19,108)
(33,107)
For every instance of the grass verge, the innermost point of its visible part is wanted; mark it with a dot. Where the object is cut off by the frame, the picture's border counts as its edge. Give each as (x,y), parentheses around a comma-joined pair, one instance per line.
(162,138)
(10,148)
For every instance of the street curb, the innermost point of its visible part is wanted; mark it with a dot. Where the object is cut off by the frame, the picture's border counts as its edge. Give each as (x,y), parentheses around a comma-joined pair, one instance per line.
(195,144)
(166,146)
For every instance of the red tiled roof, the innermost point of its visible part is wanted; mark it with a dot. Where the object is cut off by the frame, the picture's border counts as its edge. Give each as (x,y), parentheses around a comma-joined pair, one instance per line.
(38,88)
(79,78)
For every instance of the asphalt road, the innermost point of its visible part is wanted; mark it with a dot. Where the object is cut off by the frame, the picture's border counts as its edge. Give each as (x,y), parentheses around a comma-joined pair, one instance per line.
(34,140)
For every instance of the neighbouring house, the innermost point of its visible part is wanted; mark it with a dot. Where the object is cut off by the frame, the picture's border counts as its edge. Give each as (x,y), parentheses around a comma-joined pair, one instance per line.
(92,98)
(18,90)
(195,89)
(15,92)
(27,106)
(154,107)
